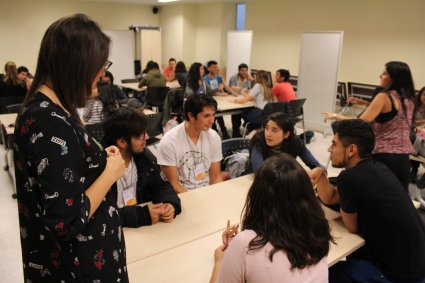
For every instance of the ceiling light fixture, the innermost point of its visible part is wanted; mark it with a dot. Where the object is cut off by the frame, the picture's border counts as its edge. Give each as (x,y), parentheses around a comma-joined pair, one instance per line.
(166,1)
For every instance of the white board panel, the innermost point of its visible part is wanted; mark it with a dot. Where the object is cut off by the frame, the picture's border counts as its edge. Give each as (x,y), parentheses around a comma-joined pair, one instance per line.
(150,41)
(318,75)
(239,45)
(121,54)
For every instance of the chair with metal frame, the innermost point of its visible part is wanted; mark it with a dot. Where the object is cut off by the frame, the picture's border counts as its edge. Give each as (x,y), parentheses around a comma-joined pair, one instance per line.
(155,97)
(14,108)
(296,112)
(230,146)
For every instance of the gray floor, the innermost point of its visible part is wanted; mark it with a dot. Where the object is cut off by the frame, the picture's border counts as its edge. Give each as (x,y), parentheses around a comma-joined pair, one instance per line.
(10,262)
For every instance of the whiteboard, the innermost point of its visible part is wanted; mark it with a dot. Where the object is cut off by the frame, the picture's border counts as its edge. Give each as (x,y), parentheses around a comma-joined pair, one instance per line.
(239,45)
(150,41)
(121,54)
(318,75)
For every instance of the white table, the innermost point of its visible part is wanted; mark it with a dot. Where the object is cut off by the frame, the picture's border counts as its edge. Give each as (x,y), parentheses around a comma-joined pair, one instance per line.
(227,106)
(166,252)
(204,211)
(8,119)
(135,86)
(194,260)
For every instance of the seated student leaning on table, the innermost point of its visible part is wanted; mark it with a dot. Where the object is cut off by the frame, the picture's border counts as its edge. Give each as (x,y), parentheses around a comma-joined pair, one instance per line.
(261,94)
(285,236)
(375,204)
(190,153)
(279,136)
(153,78)
(125,128)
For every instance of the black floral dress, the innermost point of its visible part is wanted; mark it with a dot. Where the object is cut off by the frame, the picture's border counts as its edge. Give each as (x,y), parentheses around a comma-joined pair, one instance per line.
(56,161)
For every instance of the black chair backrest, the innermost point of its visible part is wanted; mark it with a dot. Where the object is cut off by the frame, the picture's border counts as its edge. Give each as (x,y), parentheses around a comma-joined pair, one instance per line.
(96,130)
(155,96)
(296,107)
(154,127)
(176,99)
(230,146)
(8,100)
(125,81)
(273,107)
(14,108)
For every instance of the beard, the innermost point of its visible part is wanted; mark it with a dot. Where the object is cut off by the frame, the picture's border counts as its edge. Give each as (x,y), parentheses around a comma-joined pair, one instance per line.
(341,164)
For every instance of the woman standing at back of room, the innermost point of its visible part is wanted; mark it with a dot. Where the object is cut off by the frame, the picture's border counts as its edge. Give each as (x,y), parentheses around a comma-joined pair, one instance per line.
(391,114)
(70,227)
(285,236)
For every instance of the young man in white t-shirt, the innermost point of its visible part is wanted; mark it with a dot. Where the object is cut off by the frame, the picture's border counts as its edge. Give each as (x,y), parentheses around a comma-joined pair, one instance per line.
(190,154)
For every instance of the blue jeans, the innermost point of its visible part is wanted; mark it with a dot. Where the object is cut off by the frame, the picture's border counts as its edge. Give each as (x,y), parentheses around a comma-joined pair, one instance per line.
(356,270)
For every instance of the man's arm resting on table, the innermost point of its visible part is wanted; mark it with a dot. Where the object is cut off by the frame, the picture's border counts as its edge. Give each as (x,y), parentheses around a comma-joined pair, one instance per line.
(215,173)
(328,193)
(172,177)
(350,221)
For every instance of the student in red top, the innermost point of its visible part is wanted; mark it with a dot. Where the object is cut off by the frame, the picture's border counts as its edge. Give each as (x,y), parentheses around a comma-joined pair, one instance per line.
(169,71)
(283,89)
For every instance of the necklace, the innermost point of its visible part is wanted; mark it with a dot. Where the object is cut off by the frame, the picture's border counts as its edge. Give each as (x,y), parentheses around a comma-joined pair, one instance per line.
(130,175)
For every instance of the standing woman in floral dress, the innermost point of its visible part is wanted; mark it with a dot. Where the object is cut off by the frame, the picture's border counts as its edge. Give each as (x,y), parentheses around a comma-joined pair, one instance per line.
(70,227)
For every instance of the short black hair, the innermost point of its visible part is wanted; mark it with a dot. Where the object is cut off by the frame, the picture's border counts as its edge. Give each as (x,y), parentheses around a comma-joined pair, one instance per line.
(22,69)
(196,103)
(358,132)
(243,65)
(210,63)
(171,59)
(284,73)
(124,123)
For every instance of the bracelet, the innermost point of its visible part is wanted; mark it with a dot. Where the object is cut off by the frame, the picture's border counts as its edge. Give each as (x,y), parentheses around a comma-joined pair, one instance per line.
(334,116)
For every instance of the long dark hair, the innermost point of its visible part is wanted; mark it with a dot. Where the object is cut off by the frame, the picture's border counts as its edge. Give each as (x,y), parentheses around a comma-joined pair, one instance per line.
(290,145)
(124,123)
(282,209)
(402,81)
(109,102)
(72,53)
(193,76)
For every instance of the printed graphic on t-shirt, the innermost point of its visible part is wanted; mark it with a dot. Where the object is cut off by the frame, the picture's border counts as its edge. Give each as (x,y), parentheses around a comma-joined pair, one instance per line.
(193,170)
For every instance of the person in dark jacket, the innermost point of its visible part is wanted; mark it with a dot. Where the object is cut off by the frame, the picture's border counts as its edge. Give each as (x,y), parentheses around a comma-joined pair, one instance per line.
(142,181)
(279,136)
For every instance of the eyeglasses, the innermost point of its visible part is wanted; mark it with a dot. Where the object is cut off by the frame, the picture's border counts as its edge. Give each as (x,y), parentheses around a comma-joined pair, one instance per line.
(107,65)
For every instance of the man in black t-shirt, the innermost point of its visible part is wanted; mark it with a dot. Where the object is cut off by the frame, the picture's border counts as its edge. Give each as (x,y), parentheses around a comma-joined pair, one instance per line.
(374,204)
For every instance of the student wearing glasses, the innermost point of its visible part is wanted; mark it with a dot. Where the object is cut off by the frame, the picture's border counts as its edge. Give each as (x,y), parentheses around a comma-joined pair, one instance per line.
(70,226)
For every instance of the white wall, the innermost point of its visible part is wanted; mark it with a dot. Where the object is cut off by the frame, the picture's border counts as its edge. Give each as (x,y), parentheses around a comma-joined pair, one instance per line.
(23,23)
(375,32)
(171,19)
